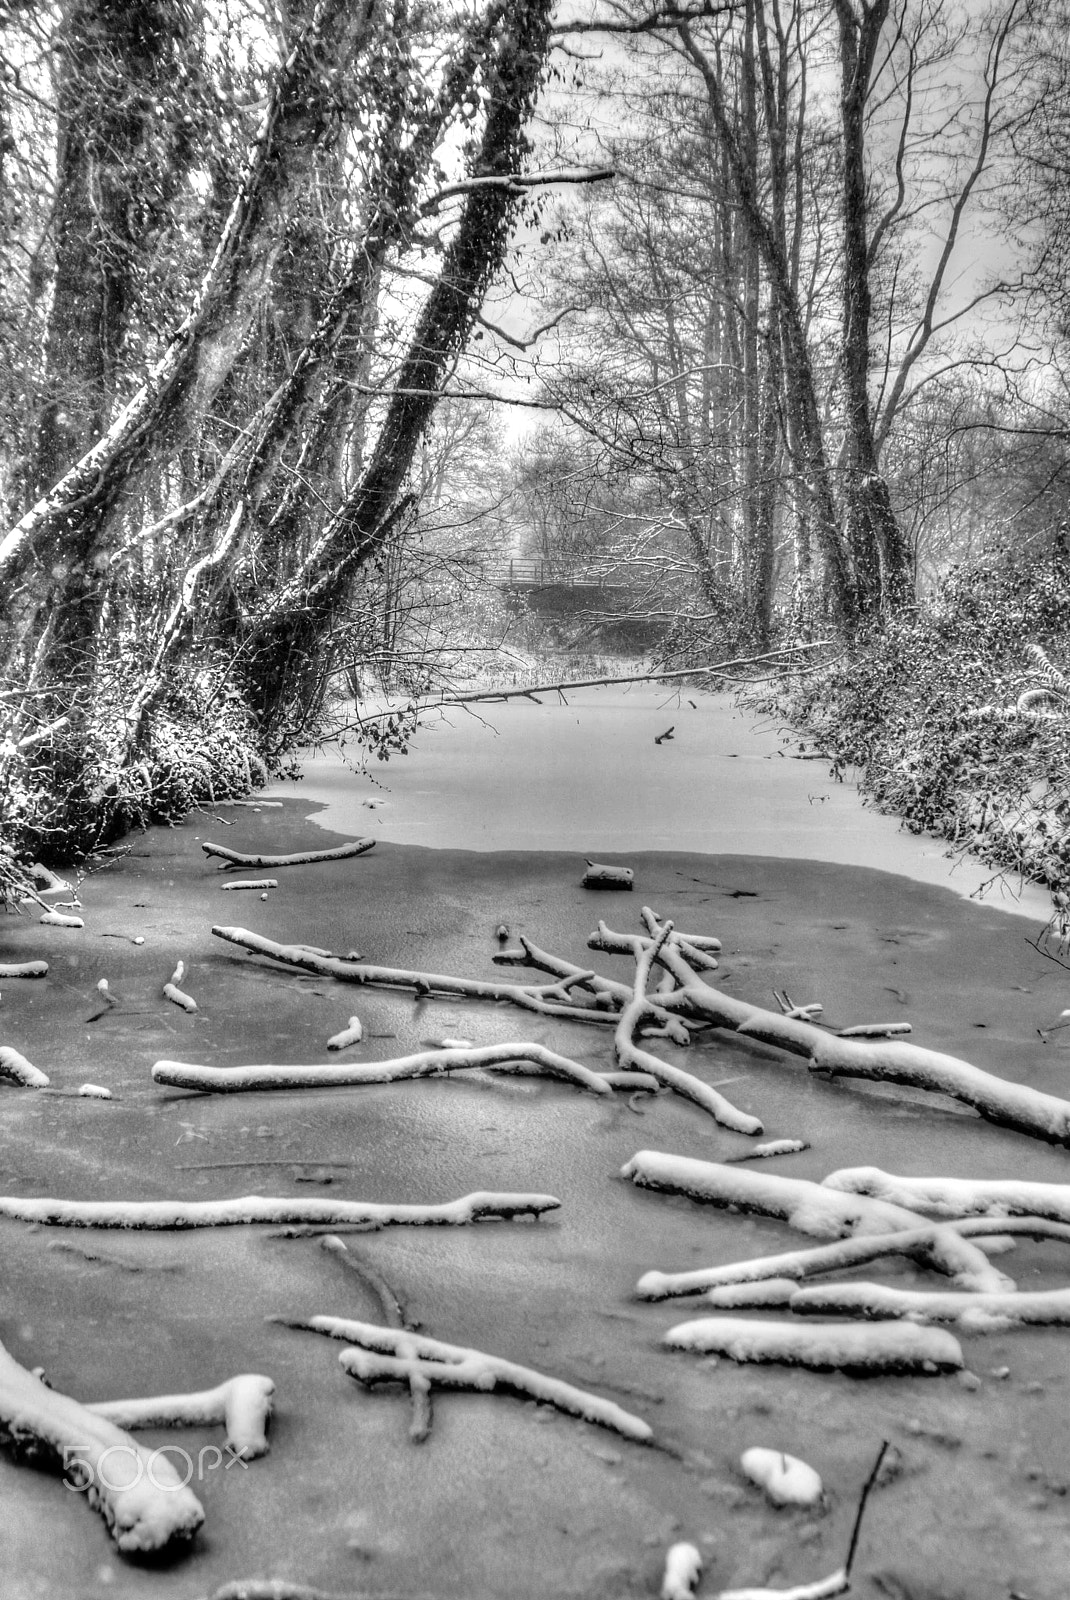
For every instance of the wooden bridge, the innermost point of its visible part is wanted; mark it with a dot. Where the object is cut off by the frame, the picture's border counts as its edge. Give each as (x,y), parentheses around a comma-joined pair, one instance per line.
(599,601)
(535,572)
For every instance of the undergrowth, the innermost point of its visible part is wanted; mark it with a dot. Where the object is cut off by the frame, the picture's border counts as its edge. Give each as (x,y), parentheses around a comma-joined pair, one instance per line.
(937,710)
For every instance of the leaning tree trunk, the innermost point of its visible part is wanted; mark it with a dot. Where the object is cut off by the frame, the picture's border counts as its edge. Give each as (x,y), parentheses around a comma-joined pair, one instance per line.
(881,553)
(289,633)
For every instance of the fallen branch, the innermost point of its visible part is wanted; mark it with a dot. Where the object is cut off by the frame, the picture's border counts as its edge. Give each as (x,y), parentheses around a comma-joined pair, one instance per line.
(631,1057)
(173,993)
(804,1206)
(257,1208)
(957,1197)
(377,1358)
(242,1404)
(798,1265)
(393,1316)
(23,969)
(1010,1105)
(851,1347)
(251,883)
(139,1494)
(14,1065)
(352,1034)
(775,1147)
(718,669)
(547,999)
(977,1313)
(345,1074)
(238,858)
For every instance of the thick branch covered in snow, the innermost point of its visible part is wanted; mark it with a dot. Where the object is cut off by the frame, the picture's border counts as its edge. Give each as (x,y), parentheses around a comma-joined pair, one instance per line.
(238,858)
(140,1495)
(14,1065)
(518,1057)
(255,1208)
(862,1347)
(23,969)
(632,1057)
(242,1404)
(797,1265)
(957,1197)
(1011,1105)
(384,1355)
(805,1206)
(976,1313)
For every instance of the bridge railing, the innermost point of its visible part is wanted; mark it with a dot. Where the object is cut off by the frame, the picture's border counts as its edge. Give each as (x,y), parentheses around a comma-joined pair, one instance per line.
(534,572)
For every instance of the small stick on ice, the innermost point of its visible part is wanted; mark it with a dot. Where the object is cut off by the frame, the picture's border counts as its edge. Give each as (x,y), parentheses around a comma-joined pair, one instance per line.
(853,1347)
(255,1208)
(251,883)
(242,1404)
(683,1569)
(14,1065)
(138,1493)
(239,858)
(352,1034)
(173,993)
(393,1316)
(335,1074)
(378,1357)
(775,1147)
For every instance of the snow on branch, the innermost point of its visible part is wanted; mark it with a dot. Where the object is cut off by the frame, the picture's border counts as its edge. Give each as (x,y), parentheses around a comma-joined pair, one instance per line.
(956,1197)
(975,1313)
(427,1064)
(14,1065)
(550,999)
(851,1347)
(242,1405)
(238,858)
(255,1208)
(1011,1105)
(141,1497)
(631,1057)
(385,1355)
(856,1251)
(805,1206)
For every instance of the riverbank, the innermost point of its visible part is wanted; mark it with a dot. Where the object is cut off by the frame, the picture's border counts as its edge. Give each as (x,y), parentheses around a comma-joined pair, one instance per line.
(506,1497)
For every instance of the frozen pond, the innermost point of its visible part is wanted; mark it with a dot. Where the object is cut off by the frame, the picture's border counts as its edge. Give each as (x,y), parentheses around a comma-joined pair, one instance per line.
(487,822)
(588,777)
